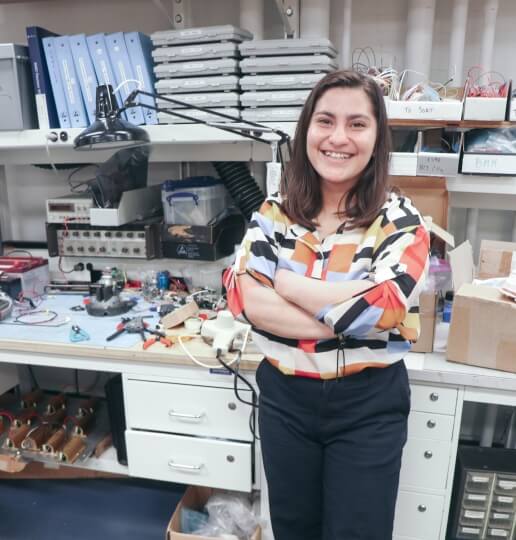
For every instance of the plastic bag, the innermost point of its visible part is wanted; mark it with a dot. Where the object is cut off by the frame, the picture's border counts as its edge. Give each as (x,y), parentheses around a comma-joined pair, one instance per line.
(229,514)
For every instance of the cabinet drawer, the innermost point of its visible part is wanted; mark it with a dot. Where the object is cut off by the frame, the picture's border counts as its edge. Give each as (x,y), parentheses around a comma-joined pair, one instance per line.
(418,516)
(435,399)
(425,463)
(423,425)
(188,409)
(189,460)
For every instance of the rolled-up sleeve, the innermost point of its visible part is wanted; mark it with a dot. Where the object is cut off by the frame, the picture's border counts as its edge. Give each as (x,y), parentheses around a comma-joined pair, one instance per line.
(398,273)
(257,255)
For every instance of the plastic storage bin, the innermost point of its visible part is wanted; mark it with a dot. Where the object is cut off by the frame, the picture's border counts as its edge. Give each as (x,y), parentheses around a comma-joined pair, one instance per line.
(193,201)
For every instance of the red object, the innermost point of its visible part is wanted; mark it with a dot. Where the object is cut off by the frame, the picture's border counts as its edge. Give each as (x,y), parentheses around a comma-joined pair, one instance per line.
(21,264)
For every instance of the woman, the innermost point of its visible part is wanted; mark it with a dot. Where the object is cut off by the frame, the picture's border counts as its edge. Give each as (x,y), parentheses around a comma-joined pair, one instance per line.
(329,275)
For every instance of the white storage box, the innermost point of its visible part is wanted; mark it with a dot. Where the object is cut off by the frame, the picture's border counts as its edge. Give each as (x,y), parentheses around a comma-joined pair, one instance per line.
(403,164)
(450,108)
(193,201)
(485,108)
(498,164)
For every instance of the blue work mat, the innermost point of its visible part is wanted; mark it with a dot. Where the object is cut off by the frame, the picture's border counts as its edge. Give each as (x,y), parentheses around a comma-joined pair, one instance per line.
(86,509)
(98,328)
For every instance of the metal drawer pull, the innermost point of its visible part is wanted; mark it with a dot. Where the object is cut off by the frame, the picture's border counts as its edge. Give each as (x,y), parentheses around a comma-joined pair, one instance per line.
(428,454)
(431,424)
(183,467)
(422,507)
(434,396)
(186,415)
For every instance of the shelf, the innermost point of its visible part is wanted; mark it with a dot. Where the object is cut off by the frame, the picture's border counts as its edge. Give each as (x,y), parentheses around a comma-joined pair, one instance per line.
(462,125)
(180,142)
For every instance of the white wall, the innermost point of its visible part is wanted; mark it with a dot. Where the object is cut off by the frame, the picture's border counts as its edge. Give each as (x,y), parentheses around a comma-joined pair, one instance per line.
(379,24)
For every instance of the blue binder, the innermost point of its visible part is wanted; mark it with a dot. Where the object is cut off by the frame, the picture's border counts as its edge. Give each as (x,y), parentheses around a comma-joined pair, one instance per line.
(102,64)
(72,90)
(85,73)
(139,48)
(123,71)
(55,82)
(45,104)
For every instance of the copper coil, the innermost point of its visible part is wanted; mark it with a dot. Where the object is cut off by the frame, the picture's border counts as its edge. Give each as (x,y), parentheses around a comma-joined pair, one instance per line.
(37,436)
(56,442)
(16,435)
(55,403)
(87,406)
(72,450)
(31,399)
(82,423)
(55,418)
(25,417)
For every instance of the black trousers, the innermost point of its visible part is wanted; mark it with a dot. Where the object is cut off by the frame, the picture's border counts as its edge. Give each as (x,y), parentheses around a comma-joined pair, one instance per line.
(332,452)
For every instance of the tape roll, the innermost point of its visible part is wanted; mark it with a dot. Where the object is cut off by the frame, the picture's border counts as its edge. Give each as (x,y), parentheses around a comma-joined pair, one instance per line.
(193,325)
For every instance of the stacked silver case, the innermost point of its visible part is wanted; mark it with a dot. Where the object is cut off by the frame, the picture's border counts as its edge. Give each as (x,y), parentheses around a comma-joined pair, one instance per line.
(278,74)
(198,66)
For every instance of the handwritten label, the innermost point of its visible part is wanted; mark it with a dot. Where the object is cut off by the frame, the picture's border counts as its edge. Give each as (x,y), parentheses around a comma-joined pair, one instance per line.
(486,163)
(437,165)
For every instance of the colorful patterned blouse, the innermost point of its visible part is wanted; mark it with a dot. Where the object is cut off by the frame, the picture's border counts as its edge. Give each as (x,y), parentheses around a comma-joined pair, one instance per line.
(372,329)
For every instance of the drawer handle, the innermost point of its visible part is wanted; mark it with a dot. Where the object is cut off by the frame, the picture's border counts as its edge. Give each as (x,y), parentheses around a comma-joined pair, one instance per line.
(186,416)
(428,454)
(422,507)
(184,467)
(431,424)
(434,396)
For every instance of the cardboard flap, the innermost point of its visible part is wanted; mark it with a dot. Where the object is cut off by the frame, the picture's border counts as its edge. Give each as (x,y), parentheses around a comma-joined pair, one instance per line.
(439,231)
(462,265)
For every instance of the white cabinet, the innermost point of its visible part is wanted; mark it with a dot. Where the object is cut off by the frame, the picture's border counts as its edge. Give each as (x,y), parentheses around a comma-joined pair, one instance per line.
(424,479)
(190,433)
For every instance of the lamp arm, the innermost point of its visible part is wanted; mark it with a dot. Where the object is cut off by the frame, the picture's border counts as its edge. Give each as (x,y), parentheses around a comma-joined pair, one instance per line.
(242,131)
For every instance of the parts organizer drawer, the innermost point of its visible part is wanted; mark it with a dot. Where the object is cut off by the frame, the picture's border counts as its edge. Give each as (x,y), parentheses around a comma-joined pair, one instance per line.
(436,399)
(188,409)
(438,427)
(425,463)
(418,516)
(189,460)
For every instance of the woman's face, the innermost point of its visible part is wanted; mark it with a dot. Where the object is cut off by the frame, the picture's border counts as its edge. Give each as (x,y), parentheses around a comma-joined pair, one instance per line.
(341,137)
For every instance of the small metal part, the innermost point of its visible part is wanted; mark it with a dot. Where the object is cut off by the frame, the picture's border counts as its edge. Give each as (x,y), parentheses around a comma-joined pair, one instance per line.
(72,450)
(87,407)
(55,418)
(31,399)
(82,423)
(16,436)
(55,403)
(24,418)
(56,442)
(35,439)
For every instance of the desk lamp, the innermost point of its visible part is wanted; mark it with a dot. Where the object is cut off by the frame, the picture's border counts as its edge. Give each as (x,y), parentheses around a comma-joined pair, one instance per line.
(110,131)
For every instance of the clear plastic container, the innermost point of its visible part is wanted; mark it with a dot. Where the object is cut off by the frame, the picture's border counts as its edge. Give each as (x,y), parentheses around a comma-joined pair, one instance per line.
(193,201)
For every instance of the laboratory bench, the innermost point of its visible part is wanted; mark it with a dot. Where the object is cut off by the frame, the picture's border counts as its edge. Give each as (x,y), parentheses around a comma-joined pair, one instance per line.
(184,424)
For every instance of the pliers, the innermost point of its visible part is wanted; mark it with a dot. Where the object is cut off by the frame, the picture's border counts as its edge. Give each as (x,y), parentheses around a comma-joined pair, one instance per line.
(131,326)
(158,336)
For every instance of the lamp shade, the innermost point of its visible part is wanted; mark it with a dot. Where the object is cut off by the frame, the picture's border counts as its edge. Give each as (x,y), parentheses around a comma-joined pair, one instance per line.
(109,131)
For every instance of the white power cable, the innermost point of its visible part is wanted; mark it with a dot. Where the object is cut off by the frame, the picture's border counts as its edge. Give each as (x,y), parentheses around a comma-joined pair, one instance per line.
(51,137)
(211,366)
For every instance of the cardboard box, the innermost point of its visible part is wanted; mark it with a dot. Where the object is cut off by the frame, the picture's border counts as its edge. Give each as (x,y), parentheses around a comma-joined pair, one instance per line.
(498,164)
(482,329)
(485,108)
(195,497)
(427,309)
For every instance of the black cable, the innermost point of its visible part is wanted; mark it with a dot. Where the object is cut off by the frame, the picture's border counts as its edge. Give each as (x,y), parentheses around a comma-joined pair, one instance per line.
(52,316)
(19,251)
(33,377)
(76,372)
(236,376)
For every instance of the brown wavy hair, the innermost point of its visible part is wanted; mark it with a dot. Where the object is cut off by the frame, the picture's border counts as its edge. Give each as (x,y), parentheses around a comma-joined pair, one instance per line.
(301,187)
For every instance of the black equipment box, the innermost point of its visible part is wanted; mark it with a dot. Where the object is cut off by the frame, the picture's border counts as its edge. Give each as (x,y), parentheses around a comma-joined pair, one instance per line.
(11,285)
(203,242)
(137,240)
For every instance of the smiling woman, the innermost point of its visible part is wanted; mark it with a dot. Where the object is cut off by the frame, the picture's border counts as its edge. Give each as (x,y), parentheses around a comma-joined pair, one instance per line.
(329,275)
